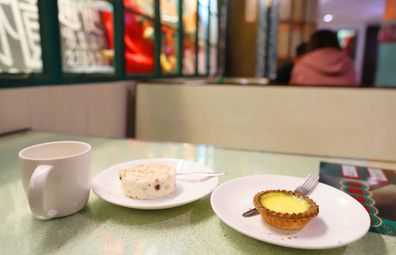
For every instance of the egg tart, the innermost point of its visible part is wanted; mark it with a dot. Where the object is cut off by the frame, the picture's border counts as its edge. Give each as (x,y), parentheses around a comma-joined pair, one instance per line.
(285,209)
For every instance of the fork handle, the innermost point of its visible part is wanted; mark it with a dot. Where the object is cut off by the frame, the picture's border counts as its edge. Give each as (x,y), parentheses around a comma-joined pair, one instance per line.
(251,212)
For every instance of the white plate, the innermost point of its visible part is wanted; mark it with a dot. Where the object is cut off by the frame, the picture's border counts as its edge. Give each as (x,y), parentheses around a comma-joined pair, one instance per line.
(341,218)
(106,185)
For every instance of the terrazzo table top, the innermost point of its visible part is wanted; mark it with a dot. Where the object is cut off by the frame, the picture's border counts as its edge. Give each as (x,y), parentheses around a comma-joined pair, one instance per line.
(104,228)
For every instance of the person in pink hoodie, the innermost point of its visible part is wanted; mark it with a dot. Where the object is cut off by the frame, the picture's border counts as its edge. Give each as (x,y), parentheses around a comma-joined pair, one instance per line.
(324,64)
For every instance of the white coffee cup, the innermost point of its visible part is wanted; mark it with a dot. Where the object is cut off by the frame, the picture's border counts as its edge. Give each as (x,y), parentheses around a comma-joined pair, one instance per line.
(56,177)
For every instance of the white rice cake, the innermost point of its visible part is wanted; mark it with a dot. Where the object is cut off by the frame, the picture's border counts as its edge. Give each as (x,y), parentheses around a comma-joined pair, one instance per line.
(148,181)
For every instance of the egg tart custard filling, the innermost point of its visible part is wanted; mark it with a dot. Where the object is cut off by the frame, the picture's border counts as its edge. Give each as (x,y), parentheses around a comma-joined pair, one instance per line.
(285,209)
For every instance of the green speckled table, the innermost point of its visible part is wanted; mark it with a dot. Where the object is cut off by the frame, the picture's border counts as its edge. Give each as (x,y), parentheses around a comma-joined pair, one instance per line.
(103,228)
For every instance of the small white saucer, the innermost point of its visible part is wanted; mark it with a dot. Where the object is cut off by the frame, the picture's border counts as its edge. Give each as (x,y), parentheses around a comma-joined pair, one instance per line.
(106,185)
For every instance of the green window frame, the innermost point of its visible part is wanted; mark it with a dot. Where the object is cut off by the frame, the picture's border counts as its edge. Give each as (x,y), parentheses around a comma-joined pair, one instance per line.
(50,38)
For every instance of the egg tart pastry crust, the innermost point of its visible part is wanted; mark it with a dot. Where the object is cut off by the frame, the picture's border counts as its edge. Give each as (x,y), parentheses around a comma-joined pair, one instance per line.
(289,221)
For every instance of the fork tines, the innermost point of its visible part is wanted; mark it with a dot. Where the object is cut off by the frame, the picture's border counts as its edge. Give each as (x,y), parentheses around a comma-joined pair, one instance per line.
(308,185)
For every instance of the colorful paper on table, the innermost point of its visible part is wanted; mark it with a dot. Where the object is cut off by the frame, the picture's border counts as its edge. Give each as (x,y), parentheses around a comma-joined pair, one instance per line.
(374,188)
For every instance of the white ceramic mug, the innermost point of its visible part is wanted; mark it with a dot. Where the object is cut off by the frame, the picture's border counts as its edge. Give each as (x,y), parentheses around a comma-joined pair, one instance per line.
(56,177)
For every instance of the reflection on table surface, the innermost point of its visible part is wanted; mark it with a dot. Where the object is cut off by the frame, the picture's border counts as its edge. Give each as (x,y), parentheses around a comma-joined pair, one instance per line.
(103,228)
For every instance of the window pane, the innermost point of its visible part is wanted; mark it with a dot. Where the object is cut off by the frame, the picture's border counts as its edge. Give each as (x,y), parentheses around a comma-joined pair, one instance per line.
(189,55)
(145,7)
(139,43)
(213,6)
(214,29)
(168,50)
(169,21)
(86,36)
(201,57)
(190,16)
(169,12)
(20,48)
(204,2)
(213,59)
(203,22)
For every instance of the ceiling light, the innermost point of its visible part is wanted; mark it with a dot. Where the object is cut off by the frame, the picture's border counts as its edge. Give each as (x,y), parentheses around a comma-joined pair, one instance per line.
(328,18)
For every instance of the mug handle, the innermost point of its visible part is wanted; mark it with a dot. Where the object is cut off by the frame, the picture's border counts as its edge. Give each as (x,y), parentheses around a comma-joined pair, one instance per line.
(36,192)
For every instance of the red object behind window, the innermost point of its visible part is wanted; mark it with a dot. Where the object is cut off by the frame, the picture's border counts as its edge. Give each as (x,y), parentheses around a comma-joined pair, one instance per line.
(139,52)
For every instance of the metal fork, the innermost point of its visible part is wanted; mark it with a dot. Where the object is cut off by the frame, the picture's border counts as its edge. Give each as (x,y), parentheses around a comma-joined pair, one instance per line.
(305,188)
(309,184)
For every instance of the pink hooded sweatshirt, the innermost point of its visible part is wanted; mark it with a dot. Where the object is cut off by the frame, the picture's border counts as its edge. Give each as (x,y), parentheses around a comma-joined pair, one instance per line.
(326,66)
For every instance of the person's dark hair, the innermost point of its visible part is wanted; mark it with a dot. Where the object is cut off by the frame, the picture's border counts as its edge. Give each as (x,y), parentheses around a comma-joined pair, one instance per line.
(301,49)
(323,39)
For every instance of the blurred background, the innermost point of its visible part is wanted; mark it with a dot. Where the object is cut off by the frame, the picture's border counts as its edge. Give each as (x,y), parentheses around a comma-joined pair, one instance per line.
(46,42)
(365,30)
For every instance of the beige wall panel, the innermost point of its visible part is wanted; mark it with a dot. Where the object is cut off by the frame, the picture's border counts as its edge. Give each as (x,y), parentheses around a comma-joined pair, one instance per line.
(107,107)
(13,110)
(40,108)
(69,109)
(84,109)
(358,123)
